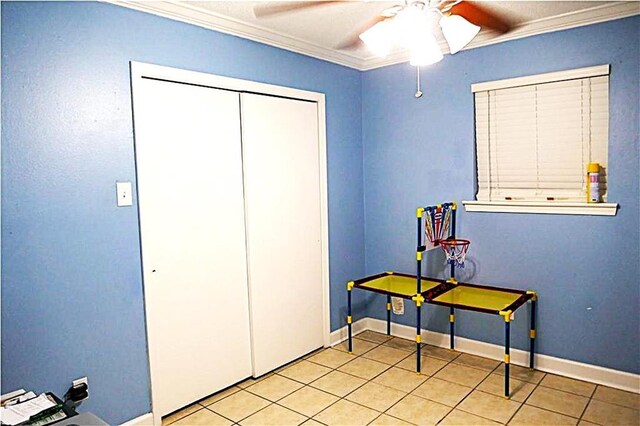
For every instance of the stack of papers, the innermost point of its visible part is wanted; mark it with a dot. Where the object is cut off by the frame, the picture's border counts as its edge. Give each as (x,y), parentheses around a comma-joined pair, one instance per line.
(14,397)
(21,412)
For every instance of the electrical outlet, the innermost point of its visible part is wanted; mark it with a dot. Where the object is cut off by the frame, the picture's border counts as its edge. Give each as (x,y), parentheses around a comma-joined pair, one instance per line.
(78,382)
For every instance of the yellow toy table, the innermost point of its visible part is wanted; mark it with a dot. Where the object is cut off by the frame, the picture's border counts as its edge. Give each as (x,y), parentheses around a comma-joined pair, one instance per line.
(455,295)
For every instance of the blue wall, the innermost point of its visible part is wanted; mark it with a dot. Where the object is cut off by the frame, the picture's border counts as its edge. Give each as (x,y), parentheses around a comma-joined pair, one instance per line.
(71,278)
(419,152)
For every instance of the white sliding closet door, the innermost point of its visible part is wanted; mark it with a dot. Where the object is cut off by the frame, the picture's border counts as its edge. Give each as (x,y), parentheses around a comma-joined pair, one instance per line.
(189,168)
(282,198)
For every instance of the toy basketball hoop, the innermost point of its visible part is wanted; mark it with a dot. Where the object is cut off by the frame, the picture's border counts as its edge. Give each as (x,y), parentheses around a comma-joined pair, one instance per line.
(456,250)
(436,225)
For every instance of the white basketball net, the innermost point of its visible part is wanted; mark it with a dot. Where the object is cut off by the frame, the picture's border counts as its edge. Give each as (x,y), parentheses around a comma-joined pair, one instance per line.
(456,253)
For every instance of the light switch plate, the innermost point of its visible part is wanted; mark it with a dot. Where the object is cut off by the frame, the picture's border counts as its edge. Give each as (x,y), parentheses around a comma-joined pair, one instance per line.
(124,194)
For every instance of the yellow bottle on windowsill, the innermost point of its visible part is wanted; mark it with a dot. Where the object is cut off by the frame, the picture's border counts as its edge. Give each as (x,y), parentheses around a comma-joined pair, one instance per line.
(593,183)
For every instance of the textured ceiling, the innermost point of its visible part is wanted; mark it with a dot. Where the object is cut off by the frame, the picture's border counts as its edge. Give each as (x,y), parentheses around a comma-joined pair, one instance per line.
(317,31)
(329,25)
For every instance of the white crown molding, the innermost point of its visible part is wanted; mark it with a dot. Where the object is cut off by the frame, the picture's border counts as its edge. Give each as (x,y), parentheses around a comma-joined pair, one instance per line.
(207,19)
(203,18)
(594,15)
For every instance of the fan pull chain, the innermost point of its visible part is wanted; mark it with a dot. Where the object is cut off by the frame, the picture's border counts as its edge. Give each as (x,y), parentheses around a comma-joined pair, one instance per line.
(418,93)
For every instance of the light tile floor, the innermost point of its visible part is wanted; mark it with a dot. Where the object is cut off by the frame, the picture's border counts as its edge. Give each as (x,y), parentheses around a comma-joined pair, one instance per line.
(377,385)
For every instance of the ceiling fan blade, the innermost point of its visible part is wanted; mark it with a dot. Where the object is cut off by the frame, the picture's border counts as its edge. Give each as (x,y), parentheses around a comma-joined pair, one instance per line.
(354,41)
(265,10)
(480,16)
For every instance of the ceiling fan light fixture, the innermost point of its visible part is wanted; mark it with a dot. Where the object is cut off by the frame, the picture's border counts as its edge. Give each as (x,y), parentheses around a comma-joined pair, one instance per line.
(378,38)
(412,23)
(425,51)
(458,32)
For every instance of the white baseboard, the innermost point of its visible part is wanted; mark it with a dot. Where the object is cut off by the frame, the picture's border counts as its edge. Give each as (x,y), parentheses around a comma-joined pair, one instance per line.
(564,367)
(341,334)
(143,420)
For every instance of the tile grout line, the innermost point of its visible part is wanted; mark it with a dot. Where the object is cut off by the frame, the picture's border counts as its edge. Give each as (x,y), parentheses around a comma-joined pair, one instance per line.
(308,417)
(217,400)
(588,403)
(523,403)
(490,372)
(246,417)
(185,416)
(540,385)
(479,390)
(579,418)
(298,360)
(410,353)
(459,402)
(362,385)
(271,374)
(566,391)
(215,412)
(303,386)
(341,398)
(272,403)
(537,385)
(557,412)
(446,363)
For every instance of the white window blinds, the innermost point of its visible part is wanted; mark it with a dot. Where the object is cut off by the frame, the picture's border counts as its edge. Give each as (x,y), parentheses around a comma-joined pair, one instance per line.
(535,135)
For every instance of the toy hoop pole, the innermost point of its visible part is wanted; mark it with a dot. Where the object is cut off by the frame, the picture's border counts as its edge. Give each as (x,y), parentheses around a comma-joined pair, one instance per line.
(418,258)
(453,235)
(420,213)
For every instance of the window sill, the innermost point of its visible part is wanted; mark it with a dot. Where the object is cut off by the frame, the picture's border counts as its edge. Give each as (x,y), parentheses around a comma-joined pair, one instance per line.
(542,207)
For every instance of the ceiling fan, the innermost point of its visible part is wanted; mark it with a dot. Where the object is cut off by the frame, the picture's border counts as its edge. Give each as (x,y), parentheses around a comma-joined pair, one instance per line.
(411,25)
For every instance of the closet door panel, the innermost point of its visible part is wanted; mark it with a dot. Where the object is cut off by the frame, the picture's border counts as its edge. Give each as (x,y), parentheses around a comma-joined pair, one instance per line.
(189,169)
(282,198)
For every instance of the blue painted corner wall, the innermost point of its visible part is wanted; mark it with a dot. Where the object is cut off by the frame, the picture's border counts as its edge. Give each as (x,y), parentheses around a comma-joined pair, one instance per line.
(72,302)
(419,152)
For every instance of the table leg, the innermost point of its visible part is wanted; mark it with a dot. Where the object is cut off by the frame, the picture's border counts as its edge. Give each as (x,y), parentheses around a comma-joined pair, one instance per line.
(507,360)
(388,315)
(532,332)
(452,319)
(419,299)
(349,320)
(418,338)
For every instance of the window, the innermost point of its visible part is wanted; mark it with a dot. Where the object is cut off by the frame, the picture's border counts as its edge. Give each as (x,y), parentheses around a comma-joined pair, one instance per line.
(536,135)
